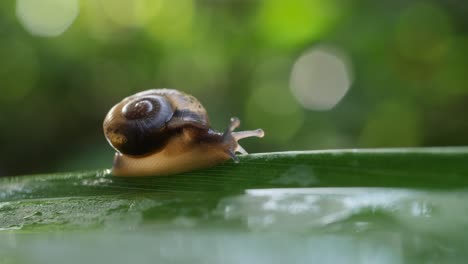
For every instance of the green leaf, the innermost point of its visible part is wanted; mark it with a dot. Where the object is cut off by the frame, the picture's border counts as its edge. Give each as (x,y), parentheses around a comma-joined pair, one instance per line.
(231,199)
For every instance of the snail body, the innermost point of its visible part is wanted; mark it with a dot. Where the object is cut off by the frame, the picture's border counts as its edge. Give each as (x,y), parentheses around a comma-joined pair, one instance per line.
(165,131)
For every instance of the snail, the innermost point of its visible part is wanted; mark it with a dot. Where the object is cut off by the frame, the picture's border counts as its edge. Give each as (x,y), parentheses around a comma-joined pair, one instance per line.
(165,131)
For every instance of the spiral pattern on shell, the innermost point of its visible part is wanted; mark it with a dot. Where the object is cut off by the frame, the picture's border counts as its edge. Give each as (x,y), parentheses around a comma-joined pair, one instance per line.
(136,126)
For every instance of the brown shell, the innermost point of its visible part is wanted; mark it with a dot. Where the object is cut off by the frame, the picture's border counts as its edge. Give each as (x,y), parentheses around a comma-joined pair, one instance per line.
(165,131)
(143,123)
(188,110)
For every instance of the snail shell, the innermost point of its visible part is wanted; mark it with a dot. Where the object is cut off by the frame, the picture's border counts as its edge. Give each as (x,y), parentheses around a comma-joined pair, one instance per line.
(165,131)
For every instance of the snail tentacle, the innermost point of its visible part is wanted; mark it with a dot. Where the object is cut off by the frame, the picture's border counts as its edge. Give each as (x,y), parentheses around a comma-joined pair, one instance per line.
(165,131)
(232,138)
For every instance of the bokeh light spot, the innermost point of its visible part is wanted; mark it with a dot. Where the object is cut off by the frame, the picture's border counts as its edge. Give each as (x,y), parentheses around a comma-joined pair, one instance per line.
(46,18)
(173,23)
(320,78)
(288,23)
(131,13)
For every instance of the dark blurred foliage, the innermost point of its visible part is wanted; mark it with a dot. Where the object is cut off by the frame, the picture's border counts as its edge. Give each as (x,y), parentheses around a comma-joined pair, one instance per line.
(64,63)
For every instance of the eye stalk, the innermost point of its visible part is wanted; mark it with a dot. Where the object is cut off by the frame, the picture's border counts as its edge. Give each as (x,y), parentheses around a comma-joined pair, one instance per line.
(231,136)
(165,131)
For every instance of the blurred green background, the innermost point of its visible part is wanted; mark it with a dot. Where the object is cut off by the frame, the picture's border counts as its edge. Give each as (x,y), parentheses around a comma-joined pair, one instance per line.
(314,74)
